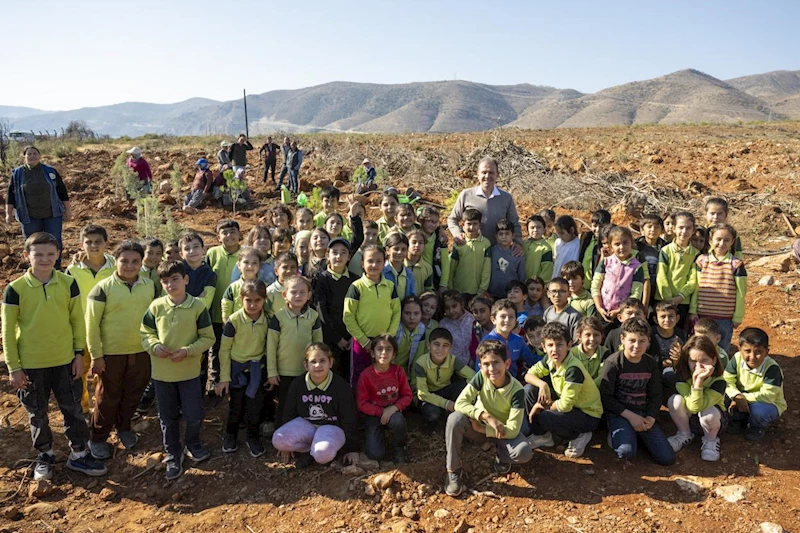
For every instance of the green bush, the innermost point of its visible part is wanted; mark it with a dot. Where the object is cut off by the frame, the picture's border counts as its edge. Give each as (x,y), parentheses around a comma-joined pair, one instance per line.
(315,200)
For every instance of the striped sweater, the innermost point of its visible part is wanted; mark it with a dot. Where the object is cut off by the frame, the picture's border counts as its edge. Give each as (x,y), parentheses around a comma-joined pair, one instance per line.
(721,287)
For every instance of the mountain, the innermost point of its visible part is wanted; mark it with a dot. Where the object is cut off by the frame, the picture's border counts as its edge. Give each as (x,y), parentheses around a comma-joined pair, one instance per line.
(445,106)
(780,89)
(683,96)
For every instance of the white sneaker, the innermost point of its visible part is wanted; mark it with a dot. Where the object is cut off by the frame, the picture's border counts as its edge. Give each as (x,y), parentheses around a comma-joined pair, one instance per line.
(679,440)
(709,451)
(539,441)
(577,446)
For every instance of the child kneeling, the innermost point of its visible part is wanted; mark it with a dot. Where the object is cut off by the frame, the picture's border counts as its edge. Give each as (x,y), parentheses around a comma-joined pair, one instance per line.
(491,407)
(319,418)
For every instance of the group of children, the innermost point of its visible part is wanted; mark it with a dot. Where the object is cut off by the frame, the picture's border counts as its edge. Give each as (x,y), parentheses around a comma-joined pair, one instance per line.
(323,328)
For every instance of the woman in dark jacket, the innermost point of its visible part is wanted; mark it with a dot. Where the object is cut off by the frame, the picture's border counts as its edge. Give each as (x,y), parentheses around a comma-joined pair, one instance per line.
(38,195)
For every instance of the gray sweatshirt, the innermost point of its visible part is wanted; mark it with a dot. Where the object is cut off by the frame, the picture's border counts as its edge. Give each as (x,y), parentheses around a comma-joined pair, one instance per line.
(493,209)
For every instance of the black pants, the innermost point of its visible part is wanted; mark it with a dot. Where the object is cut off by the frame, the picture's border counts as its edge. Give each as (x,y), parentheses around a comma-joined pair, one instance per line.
(211,358)
(269,164)
(374,446)
(284,172)
(68,392)
(242,407)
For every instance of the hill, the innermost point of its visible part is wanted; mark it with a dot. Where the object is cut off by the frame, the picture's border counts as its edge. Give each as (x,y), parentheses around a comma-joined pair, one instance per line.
(780,89)
(12,112)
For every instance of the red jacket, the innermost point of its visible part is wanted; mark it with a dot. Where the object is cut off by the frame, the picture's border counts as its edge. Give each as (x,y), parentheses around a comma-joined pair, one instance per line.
(376,390)
(141,167)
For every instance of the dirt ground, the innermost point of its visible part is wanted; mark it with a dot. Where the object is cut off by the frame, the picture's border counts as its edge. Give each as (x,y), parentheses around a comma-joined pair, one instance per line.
(756,166)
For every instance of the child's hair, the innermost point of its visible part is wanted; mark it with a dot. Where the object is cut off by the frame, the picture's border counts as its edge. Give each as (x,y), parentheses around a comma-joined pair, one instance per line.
(471,215)
(395,238)
(503,225)
(440,333)
(257,232)
(410,300)
(284,257)
(534,279)
(294,280)
(547,214)
(405,207)
(370,224)
(128,246)
(668,216)
(587,322)
(152,243)
(166,270)
(304,211)
(706,326)
(256,286)
(632,303)
(503,303)
(636,326)
(318,347)
(754,337)
(330,192)
(452,294)
(246,251)
(557,281)
(601,217)
(555,331)
(702,232)
(334,215)
(533,323)
(94,229)
(173,244)
(41,237)
(704,344)
(390,194)
(517,284)
(429,211)
(718,202)
(666,305)
(285,234)
(721,227)
(187,236)
(372,248)
(416,232)
(384,337)
(566,223)
(495,348)
(538,219)
(227,223)
(620,231)
(605,231)
(687,215)
(278,209)
(572,269)
(431,295)
(651,218)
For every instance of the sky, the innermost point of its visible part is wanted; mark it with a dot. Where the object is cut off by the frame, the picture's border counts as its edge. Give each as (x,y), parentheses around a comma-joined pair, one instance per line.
(66,54)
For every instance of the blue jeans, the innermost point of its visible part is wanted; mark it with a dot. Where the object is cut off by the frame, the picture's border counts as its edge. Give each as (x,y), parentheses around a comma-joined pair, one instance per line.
(294,181)
(190,393)
(432,413)
(761,415)
(373,445)
(624,440)
(51,225)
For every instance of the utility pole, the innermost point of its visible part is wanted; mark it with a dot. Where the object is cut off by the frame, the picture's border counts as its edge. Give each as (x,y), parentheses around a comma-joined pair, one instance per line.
(246,123)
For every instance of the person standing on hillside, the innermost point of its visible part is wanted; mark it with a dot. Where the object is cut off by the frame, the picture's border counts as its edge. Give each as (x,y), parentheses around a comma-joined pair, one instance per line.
(269,151)
(295,158)
(238,153)
(286,147)
(38,195)
(138,164)
(493,203)
(222,156)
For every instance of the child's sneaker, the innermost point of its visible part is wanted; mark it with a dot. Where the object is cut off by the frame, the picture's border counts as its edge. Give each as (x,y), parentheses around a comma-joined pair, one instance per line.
(754,434)
(256,448)
(679,440)
(452,484)
(267,429)
(85,463)
(577,446)
(501,467)
(541,441)
(100,450)
(198,454)
(129,439)
(174,467)
(229,444)
(45,464)
(302,460)
(709,451)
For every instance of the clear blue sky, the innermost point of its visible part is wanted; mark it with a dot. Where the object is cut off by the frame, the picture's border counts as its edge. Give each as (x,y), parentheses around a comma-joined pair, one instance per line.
(66,54)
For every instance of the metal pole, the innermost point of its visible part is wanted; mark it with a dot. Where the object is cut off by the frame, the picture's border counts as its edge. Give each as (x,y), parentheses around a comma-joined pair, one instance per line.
(246,123)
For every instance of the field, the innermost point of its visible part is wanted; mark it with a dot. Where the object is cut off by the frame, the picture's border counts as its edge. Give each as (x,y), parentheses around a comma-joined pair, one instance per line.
(756,167)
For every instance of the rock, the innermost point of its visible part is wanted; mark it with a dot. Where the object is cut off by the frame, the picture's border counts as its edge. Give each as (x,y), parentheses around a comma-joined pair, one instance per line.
(441,513)
(731,493)
(369,490)
(110,206)
(167,199)
(353,470)
(409,511)
(462,527)
(338,184)
(776,263)
(689,485)
(529,521)
(766,281)
(165,187)
(162,527)
(92,484)
(396,510)
(656,159)
(108,494)
(11,512)
(166,167)
(40,488)
(5,250)
(321,184)
(771,527)
(402,525)
(41,509)
(383,481)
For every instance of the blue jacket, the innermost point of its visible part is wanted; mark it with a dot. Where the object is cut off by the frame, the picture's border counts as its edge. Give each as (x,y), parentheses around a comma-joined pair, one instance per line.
(19,197)
(516,348)
(411,284)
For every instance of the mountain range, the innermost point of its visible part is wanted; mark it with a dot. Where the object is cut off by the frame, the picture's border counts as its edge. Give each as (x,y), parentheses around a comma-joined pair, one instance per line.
(444,106)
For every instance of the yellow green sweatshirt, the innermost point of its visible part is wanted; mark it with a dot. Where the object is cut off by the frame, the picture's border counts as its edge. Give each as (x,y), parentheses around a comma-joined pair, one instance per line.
(574,385)
(87,278)
(471,266)
(538,259)
(506,403)
(222,263)
(762,384)
(243,340)
(676,274)
(371,309)
(288,337)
